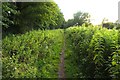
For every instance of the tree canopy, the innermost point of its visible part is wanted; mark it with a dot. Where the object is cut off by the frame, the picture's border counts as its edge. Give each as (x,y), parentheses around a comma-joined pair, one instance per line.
(79,18)
(24,16)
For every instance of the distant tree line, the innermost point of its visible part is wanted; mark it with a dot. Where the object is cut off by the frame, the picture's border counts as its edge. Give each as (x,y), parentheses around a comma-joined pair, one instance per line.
(110,25)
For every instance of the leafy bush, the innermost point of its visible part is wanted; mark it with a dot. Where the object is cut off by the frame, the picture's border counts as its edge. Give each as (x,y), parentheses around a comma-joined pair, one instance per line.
(34,54)
(91,52)
(94,51)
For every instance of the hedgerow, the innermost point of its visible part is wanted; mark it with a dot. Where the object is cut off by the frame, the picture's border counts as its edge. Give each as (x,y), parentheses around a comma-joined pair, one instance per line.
(95,52)
(34,54)
(90,52)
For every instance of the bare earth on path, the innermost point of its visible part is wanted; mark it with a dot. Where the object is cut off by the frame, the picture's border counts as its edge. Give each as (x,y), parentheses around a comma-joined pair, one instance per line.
(61,72)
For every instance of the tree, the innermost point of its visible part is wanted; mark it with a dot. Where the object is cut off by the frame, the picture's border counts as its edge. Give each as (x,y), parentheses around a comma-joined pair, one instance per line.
(109,25)
(32,15)
(117,24)
(79,19)
(40,15)
(8,15)
(60,20)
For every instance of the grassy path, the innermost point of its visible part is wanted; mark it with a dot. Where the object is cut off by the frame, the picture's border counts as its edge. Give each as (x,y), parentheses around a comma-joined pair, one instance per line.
(61,72)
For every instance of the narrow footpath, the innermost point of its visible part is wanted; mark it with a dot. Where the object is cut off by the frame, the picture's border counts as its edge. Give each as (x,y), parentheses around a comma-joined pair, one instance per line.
(61,72)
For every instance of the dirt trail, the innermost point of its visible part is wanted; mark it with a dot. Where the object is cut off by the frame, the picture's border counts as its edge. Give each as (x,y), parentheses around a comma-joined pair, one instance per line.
(61,72)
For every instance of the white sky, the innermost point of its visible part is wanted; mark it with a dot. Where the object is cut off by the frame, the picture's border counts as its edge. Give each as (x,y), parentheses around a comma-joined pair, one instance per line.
(98,9)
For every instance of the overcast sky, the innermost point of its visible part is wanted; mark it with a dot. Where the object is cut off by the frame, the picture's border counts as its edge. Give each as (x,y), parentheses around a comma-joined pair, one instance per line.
(98,9)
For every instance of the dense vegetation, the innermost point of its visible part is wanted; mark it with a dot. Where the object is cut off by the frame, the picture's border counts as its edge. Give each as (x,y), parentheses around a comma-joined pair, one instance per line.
(90,52)
(20,17)
(31,47)
(79,18)
(34,54)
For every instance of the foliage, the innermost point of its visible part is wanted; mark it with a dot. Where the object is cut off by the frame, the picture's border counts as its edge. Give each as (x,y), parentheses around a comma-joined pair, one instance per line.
(69,23)
(118,26)
(109,25)
(115,67)
(91,52)
(31,55)
(20,17)
(95,52)
(8,14)
(41,15)
(79,18)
